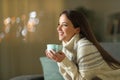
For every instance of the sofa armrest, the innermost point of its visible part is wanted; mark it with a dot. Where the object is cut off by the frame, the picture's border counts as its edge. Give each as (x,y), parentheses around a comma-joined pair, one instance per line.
(29,77)
(50,69)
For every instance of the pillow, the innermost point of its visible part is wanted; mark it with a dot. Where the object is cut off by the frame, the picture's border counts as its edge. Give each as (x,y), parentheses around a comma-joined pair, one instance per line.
(50,69)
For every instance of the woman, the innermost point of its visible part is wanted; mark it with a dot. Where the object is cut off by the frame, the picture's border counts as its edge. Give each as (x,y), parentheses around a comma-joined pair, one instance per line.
(82,57)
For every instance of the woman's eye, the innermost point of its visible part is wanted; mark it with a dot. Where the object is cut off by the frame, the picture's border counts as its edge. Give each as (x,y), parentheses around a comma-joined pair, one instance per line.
(65,25)
(62,25)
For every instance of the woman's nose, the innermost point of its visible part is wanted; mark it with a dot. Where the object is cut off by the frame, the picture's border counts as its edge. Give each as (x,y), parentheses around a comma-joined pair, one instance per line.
(59,27)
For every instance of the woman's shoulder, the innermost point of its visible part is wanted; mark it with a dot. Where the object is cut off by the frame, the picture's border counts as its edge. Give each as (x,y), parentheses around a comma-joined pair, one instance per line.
(86,47)
(84,42)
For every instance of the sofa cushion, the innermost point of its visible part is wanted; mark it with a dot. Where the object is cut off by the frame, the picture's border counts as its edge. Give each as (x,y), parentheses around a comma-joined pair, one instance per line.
(112,48)
(29,77)
(50,69)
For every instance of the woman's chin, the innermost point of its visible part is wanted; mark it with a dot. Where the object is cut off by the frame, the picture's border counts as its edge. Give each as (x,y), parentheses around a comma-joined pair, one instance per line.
(60,39)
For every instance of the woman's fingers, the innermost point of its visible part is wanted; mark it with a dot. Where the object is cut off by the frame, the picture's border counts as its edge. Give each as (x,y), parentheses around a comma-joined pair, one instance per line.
(58,57)
(51,54)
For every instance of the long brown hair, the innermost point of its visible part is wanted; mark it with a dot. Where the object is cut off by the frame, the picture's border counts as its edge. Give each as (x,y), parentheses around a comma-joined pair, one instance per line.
(78,19)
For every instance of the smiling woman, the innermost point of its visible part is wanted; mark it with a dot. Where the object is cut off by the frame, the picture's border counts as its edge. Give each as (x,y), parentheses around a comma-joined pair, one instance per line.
(18,57)
(82,56)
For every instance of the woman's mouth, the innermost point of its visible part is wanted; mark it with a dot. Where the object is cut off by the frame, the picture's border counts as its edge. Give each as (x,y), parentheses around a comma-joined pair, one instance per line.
(60,33)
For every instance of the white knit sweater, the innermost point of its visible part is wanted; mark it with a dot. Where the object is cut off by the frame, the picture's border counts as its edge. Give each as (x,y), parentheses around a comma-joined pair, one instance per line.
(83,62)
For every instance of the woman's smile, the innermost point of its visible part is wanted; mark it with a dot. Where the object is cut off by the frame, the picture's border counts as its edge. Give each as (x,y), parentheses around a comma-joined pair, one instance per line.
(65,29)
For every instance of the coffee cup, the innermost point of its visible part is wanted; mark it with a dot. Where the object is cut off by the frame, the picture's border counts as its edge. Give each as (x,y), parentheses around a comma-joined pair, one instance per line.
(58,48)
(51,47)
(55,47)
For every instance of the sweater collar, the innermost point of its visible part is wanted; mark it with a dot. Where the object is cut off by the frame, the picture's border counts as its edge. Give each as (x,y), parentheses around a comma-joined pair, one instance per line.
(71,43)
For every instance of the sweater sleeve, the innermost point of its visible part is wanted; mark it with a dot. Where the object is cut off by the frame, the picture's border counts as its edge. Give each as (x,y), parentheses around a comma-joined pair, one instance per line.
(69,70)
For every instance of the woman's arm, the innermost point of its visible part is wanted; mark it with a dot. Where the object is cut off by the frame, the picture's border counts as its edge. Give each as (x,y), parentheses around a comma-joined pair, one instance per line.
(68,69)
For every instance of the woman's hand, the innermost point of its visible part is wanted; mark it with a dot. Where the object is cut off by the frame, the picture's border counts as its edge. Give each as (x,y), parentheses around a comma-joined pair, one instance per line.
(56,56)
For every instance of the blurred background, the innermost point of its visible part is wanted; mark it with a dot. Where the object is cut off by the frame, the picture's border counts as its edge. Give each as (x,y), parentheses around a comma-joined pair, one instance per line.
(26,26)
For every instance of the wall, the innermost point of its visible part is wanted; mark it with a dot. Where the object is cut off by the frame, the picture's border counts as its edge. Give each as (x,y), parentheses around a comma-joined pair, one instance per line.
(18,56)
(103,9)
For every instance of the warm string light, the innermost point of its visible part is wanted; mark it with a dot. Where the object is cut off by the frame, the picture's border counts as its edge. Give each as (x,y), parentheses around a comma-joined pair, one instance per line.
(23,25)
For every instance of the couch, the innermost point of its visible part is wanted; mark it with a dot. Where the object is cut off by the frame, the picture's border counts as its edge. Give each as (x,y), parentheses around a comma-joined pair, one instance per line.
(50,68)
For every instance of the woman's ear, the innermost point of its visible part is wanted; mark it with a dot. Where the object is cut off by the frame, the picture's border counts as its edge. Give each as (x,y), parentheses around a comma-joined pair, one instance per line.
(77,30)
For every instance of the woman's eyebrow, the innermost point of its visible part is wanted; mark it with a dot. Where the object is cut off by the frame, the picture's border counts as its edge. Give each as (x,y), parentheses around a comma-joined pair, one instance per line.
(64,22)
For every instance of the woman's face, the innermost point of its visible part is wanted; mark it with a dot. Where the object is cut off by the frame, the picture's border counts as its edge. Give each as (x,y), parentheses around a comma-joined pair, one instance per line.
(66,29)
